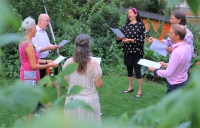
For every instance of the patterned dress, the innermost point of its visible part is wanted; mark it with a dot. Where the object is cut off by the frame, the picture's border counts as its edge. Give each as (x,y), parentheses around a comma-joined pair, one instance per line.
(133,51)
(89,93)
(25,64)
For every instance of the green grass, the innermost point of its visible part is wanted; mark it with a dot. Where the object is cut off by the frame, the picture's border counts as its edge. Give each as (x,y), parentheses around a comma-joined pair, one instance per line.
(113,102)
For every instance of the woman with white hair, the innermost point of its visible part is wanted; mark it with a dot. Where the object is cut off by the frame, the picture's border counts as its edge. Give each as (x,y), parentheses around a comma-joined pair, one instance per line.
(29,70)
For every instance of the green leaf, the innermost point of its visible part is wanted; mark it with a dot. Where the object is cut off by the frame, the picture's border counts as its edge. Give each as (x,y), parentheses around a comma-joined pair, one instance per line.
(21,95)
(75,90)
(172,3)
(69,69)
(194,6)
(61,80)
(59,102)
(10,38)
(7,17)
(79,104)
(124,119)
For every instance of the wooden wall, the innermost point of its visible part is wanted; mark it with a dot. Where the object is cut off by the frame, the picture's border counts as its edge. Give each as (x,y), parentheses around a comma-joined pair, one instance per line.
(156,24)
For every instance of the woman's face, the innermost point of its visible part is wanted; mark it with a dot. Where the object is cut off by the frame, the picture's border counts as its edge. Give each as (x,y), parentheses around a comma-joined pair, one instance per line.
(33,31)
(174,20)
(131,15)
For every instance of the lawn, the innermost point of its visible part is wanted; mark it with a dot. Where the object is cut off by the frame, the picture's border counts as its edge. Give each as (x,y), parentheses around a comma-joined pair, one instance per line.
(113,102)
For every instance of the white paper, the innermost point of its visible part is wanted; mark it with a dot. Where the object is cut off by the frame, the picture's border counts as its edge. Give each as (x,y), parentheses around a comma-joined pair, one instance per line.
(149,63)
(98,59)
(159,47)
(59,59)
(62,43)
(118,32)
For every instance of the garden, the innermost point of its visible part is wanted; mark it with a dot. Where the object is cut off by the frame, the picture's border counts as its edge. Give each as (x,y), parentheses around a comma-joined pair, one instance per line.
(94,17)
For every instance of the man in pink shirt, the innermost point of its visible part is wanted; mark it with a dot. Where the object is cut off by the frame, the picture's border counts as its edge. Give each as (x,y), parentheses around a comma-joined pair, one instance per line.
(176,71)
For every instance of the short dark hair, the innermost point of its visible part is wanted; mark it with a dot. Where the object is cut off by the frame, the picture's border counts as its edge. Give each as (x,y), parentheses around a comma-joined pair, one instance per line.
(181,16)
(179,30)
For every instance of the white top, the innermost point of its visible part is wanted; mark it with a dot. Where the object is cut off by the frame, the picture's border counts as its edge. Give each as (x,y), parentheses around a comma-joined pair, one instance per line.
(40,40)
(89,93)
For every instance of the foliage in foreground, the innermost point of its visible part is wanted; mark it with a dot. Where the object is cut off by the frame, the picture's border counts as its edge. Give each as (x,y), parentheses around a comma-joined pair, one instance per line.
(178,107)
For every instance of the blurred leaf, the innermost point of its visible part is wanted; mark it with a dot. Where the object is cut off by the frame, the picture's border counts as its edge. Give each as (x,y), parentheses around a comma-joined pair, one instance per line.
(7,18)
(124,119)
(75,90)
(59,102)
(21,95)
(46,80)
(79,104)
(172,3)
(10,38)
(194,6)
(69,69)
(61,80)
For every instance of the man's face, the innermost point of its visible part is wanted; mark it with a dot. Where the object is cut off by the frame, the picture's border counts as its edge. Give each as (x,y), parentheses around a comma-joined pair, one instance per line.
(174,20)
(172,35)
(45,22)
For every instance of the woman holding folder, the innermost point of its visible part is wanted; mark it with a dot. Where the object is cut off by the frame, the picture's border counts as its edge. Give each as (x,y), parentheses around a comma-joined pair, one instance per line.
(29,58)
(133,45)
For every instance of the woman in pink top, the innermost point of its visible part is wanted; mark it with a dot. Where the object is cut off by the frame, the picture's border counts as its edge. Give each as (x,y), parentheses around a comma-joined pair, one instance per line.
(29,57)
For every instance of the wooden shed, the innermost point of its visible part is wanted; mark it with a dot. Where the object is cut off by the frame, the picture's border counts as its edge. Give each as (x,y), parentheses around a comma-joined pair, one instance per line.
(156,20)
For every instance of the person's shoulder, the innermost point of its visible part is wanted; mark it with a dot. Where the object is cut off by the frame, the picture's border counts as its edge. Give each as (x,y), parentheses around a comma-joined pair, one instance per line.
(93,62)
(70,59)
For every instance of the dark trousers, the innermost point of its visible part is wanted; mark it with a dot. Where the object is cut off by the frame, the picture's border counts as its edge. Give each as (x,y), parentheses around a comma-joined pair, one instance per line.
(171,88)
(42,73)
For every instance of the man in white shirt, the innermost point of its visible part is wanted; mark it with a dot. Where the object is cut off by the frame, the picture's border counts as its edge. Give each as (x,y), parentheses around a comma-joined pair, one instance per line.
(41,40)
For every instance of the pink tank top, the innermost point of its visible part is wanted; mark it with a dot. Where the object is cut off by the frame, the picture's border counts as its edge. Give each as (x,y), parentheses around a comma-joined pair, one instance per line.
(25,64)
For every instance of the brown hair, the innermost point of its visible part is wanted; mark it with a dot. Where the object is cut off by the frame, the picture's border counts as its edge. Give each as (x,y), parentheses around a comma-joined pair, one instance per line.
(82,52)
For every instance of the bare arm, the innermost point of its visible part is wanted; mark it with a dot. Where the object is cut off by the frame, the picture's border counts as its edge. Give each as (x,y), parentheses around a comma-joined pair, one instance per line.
(98,83)
(51,47)
(31,56)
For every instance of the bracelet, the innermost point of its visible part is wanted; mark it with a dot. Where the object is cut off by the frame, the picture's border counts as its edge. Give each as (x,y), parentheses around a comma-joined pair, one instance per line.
(46,62)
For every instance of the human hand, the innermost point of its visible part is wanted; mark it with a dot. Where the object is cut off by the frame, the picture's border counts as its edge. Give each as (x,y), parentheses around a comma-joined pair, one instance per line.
(54,47)
(150,40)
(49,61)
(119,38)
(53,64)
(125,40)
(151,69)
(163,64)
(169,49)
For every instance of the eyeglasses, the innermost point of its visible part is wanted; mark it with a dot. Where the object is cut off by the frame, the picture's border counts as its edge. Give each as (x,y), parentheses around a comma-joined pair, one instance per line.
(48,21)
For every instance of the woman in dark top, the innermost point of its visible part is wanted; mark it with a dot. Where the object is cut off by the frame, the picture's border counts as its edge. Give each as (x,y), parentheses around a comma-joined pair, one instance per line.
(134,32)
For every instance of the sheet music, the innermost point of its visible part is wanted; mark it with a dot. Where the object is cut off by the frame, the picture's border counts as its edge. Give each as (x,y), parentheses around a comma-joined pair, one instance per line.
(98,59)
(62,43)
(59,59)
(159,47)
(149,63)
(118,32)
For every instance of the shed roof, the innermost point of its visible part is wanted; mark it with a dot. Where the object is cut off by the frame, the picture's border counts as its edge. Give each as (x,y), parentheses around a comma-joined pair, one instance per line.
(154,16)
(151,15)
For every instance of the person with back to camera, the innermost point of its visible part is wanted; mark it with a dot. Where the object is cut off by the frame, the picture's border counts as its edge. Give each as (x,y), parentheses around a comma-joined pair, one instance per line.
(177,18)
(28,55)
(133,48)
(87,75)
(41,40)
(176,71)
